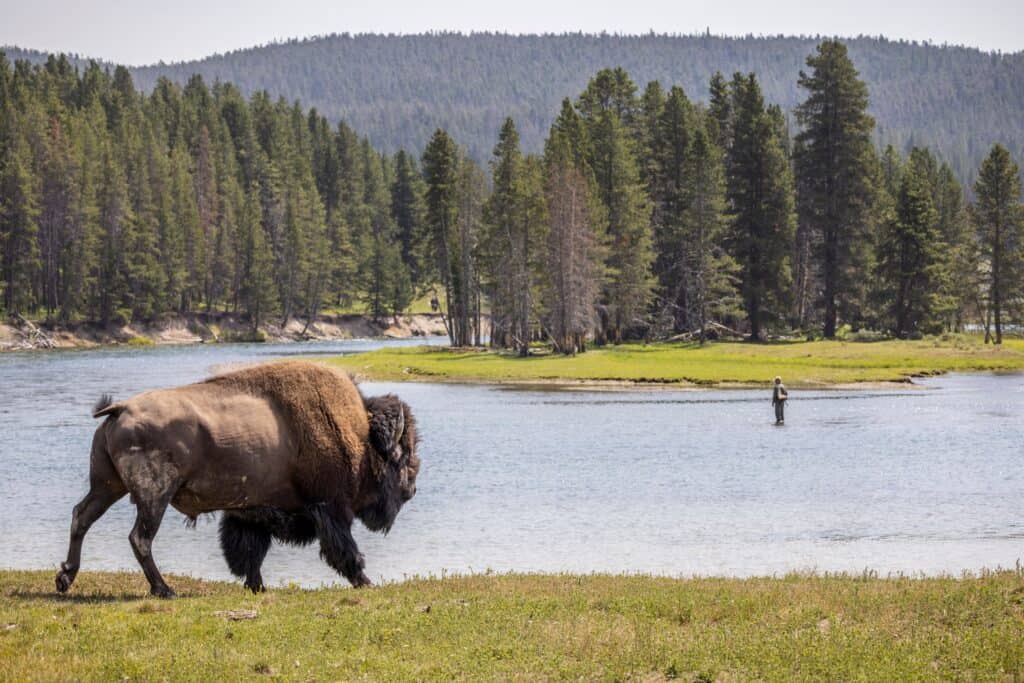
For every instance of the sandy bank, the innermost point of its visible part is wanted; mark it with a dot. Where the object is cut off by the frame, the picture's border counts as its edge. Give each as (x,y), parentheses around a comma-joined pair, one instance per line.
(17,335)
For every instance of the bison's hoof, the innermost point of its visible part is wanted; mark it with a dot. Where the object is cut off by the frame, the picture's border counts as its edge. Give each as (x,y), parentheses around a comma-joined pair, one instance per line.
(65,577)
(361,581)
(163,592)
(256,588)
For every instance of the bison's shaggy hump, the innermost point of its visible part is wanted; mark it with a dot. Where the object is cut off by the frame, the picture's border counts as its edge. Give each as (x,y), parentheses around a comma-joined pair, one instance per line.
(322,406)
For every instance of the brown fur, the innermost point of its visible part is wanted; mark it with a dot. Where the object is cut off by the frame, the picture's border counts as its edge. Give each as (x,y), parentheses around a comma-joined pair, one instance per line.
(331,425)
(288,449)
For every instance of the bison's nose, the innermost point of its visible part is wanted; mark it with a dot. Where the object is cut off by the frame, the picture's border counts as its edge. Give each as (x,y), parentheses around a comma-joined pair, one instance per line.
(409,494)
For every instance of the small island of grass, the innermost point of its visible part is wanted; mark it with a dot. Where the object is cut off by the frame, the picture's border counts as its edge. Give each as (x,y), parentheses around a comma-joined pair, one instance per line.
(813,364)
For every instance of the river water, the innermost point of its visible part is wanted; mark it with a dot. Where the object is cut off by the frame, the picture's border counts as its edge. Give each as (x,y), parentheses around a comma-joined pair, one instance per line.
(669,482)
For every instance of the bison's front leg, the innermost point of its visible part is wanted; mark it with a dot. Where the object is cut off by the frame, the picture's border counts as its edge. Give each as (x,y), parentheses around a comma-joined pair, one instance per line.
(337,547)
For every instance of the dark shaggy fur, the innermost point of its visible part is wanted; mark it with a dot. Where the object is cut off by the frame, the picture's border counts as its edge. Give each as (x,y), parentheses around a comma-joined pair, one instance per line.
(102,404)
(245,544)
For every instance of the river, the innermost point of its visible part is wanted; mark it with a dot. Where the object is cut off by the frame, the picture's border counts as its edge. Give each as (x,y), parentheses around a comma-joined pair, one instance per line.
(670,482)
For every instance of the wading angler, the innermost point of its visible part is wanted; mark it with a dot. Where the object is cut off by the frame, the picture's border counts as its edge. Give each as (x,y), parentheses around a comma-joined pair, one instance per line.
(289,451)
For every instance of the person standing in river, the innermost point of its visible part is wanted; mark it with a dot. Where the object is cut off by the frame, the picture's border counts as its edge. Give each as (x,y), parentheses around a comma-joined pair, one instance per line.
(779,396)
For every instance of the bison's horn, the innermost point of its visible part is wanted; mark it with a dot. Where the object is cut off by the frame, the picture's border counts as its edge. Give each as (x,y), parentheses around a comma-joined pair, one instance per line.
(387,425)
(400,424)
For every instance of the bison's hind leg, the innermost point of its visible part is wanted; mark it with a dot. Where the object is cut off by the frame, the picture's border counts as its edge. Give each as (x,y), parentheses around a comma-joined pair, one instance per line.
(245,544)
(152,479)
(105,489)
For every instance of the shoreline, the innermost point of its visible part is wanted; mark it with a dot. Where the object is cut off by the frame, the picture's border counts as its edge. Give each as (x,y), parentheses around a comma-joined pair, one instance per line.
(203,328)
(621,385)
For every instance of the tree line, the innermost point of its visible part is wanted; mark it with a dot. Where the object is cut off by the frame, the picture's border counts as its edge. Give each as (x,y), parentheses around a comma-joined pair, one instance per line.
(117,205)
(397,89)
(647,214)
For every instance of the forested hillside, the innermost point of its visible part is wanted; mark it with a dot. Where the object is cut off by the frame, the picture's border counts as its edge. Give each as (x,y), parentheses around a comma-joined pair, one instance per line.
(398,89)
(647,214)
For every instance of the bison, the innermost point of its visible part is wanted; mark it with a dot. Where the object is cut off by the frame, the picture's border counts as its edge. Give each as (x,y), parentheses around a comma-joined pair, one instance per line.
(288,450)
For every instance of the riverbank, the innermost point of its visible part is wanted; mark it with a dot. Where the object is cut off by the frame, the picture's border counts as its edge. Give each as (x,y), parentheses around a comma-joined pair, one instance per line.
(798,627)
(810,365)
(210,328)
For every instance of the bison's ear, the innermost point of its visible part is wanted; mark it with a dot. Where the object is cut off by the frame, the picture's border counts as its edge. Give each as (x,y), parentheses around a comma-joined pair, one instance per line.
(387,424)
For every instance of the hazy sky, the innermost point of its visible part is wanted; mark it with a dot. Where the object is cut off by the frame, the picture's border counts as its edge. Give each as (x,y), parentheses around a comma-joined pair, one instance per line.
(145,31)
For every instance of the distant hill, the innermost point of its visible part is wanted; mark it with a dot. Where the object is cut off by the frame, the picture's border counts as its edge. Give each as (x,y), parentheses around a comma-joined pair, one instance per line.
(397,89)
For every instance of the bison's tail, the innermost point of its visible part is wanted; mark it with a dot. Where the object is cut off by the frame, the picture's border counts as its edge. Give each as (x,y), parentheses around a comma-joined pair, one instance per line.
(106,406)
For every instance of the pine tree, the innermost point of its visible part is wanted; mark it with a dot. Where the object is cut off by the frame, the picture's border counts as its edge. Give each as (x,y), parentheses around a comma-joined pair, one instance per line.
(58,217)
(569,129)
(572,261)
(407,208)
(19,225)
(709,273)
(180,236)
(719,111)
(257,292)
(671,190)
(760,194)
(909,257)
(509,244)
(380,242)
(471,192)
(999,226)
(442,174)
(835,174)
(607,108)
(652,104)
(114,287)
(961,262)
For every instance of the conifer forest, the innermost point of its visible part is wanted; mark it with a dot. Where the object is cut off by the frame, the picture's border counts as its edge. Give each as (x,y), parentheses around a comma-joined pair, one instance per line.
(646,213)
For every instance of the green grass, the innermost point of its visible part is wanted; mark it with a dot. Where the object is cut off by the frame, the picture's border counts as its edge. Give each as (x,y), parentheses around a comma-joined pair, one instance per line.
(139,341)
(359,307)
(818,363)
(525,627)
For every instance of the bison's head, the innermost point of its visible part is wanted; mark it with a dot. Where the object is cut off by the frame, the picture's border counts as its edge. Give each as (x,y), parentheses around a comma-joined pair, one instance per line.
(393,440)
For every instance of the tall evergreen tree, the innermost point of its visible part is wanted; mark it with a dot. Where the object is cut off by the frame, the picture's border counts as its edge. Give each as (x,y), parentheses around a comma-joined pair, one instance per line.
(671,190)
(572,260)
(834,168)
(513,216)
(257,292)
(760,195)
(407,208)
(607,108)
(999,226)
(19,225)
(719,111)
(708,273)
(442,176)
(910,255)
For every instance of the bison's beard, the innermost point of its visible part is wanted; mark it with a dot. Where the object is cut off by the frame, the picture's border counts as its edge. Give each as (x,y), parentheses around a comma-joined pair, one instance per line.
(380,515)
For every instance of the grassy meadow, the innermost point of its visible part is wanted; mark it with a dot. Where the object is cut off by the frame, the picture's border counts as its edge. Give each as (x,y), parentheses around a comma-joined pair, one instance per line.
(801,364)
(526,627)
